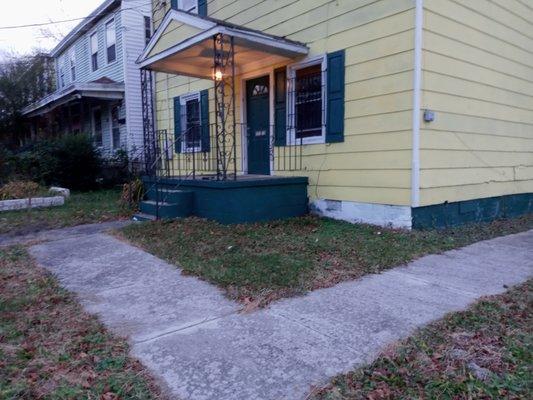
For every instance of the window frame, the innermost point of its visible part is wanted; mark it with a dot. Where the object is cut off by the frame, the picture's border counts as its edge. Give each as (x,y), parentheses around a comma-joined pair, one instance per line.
(183,106)
(321,60)
(148,18)
(72,64)
(106,41)
(61,71)
(193,10)
(92,35)
(93,130)
(113,126)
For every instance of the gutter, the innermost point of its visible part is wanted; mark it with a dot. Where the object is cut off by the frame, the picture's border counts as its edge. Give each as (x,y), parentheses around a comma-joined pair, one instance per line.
(417,96)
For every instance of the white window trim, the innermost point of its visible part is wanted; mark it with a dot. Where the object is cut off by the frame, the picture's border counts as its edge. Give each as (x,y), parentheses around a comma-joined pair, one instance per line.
(110,20)
(94,125)
(91,34)
(192,10)
(183,102)
(110,111)
(61,71)
(291,75)
(71,58)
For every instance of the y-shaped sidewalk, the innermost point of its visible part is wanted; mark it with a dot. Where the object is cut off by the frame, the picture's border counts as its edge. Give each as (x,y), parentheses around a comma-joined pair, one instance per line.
(198,343)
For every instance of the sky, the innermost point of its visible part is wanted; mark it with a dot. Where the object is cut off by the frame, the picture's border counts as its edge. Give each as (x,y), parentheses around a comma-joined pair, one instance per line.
(23,12)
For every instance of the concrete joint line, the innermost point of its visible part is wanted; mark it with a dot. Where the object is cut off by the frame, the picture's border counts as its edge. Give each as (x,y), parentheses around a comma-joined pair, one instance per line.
(181,329)
(430,283)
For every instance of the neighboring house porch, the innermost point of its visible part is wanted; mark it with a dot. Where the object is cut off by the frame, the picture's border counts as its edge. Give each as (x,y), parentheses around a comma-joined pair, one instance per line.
(94,108)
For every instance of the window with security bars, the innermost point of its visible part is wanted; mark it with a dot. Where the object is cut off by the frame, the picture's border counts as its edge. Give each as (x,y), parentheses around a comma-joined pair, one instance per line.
(190,123)
(307,101)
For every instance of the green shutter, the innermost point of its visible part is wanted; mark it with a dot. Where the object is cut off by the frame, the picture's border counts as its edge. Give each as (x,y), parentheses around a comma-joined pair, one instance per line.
(204,118)
(202,8)
(174,4)
(177,124)
(280,107)
(335,98)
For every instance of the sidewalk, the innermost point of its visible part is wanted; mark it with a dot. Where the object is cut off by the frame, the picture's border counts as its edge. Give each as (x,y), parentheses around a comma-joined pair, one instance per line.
(202,346)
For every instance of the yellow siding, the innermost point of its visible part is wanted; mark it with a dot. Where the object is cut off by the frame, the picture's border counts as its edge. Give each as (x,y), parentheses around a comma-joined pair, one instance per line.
(172,32)
(374,163)
(478,77)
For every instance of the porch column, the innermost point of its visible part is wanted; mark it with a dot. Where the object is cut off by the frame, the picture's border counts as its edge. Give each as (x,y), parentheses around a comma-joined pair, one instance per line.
(225,117)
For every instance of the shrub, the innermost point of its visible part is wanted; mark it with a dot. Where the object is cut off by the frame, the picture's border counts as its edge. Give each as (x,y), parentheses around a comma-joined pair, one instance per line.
(132,194)
(19,190)
(77,163)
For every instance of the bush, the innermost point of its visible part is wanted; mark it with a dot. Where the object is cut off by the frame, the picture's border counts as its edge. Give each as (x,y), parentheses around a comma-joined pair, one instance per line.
(115,170)
(20,190)
(77,163)
(132,194)
(70,161)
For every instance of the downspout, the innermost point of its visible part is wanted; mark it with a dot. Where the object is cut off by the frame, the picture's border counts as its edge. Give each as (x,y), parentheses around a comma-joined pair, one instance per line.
(417,85)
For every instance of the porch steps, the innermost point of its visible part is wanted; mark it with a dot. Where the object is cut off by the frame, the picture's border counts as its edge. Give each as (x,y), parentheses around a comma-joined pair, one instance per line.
(166,204)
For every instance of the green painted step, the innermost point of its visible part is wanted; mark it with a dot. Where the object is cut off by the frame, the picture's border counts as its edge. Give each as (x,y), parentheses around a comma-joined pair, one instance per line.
(166,210)
(170,195)
(141,217)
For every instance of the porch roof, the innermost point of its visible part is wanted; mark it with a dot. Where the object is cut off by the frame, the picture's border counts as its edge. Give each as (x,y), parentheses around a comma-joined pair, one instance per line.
(183,45)
(96,90)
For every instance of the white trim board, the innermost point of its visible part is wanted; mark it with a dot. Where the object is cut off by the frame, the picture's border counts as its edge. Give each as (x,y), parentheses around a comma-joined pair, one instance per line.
(417,99)
(368,213)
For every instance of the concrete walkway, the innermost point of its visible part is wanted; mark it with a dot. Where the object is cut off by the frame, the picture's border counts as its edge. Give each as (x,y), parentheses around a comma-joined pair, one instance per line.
(61,233)
(198,343)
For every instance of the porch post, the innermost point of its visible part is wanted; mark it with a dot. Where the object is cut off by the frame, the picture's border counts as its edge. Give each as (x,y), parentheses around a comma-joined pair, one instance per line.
(225,116)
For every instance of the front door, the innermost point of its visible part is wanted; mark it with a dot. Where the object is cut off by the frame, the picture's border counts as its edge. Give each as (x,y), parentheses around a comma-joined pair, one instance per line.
(258,129)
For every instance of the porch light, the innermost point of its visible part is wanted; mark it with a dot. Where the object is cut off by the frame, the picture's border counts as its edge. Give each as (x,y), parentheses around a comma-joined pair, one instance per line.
(217,73)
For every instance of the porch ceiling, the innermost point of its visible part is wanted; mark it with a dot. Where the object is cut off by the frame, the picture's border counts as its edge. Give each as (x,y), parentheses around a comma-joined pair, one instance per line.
(193,55)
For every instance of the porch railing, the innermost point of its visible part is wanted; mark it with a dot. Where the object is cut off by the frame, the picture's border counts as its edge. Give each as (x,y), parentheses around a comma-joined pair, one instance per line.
(196,155)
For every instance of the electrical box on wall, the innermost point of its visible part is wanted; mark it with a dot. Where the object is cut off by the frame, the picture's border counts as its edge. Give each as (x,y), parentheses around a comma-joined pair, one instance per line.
(429,116)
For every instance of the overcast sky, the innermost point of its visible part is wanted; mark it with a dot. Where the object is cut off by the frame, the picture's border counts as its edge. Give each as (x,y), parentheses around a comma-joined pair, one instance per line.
(23,12)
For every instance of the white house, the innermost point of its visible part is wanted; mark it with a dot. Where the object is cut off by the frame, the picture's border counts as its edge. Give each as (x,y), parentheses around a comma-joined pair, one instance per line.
(98,83)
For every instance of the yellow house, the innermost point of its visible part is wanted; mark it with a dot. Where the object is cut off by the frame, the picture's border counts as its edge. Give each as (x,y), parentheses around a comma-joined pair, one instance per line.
(410,113)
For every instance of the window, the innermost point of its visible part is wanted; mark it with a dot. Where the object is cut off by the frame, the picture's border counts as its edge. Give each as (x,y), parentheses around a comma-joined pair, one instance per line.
(147,29)
(62,72)
(115,126)
(72,60)
(190,122)
(94,51)
(189,5)
(97,127)
(111,41)
(307,100)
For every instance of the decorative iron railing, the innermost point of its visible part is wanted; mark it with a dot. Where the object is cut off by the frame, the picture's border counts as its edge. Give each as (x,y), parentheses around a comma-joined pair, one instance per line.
(191,156)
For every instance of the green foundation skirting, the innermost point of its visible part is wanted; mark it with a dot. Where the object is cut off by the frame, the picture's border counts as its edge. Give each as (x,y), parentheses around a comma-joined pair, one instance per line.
(479,210)
(244,201)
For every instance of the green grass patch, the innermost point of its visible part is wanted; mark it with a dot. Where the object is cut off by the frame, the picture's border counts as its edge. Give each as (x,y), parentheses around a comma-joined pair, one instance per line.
(80,208)
(485,352)
(51,349)
(258,263)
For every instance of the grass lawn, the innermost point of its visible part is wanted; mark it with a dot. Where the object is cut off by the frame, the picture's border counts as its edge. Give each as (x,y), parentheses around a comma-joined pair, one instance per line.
(260,263)
(483,353)
(80,208)
(51,349)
